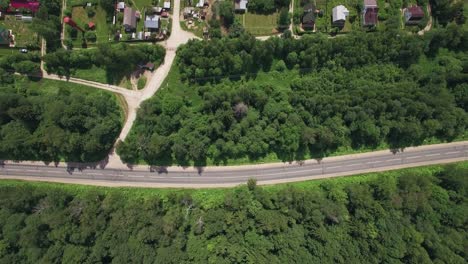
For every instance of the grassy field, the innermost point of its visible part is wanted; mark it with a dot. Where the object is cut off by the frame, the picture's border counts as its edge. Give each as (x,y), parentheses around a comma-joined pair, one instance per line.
(8,51)
(259,25)
(141,82)
(53,87)
(80,16)
(93,74)
(23,35)
(208,198)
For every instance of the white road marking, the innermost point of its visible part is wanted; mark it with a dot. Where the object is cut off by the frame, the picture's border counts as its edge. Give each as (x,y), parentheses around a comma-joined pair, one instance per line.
(373,162)
(453,152)
(333,167)
(414,157)
(350,165)
(93,173)
(431,155)
(392,160)
(136,176)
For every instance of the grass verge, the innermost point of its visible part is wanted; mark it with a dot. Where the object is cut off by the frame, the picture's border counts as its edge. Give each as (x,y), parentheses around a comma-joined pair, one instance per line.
(208,198)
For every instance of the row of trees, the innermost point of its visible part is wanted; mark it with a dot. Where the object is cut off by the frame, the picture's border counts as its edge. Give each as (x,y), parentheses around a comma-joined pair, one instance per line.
(117,59)
(48,125)
(202,61)
(418,217)
(361,96)
(22,63)
(47,22)
(267,6)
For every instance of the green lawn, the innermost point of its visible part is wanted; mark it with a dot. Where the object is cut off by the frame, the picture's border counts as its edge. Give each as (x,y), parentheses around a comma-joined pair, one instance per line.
(141,82)
(80,16)
(259,25)
(8,51)
(23,35)
(52,87)
(93,74)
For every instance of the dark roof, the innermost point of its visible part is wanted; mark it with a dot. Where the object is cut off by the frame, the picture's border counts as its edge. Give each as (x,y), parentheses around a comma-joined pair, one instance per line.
(4,36)
(309,8)
(370,17)
(415,11)
(308,18)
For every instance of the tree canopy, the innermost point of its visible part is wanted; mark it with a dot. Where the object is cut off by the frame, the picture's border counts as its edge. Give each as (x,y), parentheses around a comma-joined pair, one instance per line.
(53,121)
(363,90)
(410,216)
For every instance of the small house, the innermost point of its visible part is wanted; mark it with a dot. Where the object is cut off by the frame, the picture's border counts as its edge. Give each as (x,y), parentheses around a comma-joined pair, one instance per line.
(200,3)
(157,10)
(28,19)
(240,6)
(148,66)
(167,5)
(308,18)
(5,37)
(188,12)
(129,21)
(120,6)
(152,22)
(370,13)
(413,15)
(339,15)
(31,5)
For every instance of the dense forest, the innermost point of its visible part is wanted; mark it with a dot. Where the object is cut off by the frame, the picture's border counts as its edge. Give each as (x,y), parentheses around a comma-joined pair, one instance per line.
(362,90)
(409,216)
(53,121)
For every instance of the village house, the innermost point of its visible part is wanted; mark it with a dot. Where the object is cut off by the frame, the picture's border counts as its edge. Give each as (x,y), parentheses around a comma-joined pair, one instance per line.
(308,18)
(31,5)
(167,6)
(240,5)
(6,37)
(339,15)
(129,20)
(152,22)
(413,15)
(370,13)
(120,6)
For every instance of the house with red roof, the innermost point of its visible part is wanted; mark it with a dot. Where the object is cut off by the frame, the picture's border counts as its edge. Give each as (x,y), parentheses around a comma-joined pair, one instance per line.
(32,5)
(370,13)
(413,15)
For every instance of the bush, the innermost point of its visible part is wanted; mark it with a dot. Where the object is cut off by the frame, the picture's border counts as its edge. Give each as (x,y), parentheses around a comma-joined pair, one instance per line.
(90,36)
(91,12)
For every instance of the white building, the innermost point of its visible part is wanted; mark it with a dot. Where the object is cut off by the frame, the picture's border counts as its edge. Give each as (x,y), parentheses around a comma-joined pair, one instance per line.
(340,13)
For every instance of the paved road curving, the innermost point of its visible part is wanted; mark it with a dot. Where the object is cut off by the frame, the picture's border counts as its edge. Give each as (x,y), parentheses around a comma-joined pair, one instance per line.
(209,177)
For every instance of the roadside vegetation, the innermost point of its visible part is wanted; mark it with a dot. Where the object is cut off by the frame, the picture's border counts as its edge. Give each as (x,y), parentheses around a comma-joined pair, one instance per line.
(414,215)
(53,121)
(106,64)
(359,91)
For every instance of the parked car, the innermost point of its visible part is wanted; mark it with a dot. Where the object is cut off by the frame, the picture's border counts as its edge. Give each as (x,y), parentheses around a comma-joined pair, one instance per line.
(23,50)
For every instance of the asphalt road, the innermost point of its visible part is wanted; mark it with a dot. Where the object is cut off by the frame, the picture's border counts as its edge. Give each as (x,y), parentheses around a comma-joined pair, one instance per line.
(224,177)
